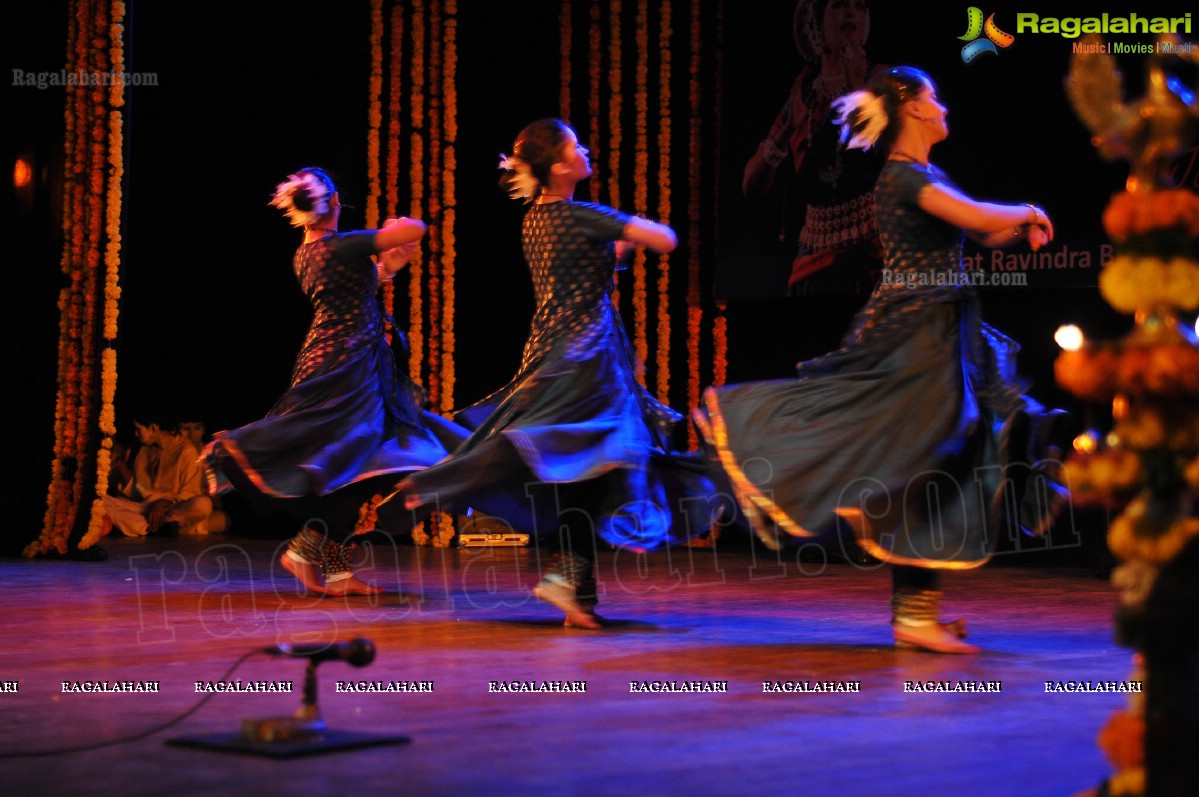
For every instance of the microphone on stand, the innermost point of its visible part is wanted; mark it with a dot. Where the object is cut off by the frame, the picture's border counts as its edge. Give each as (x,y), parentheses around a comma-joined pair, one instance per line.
(359,651)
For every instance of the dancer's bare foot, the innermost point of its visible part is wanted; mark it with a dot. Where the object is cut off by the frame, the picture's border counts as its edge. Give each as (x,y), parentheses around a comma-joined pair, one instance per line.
(596,622)
(563,596)
(308,574)
(351,586)
(935,638)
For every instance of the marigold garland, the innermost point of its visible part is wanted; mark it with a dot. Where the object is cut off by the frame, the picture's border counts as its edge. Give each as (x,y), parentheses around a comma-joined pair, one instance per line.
(1097,373)
(664,132)
(395,85)
(375,114)
(720,363)
(395,93)
(615,93)
(88,304)
(427,34)
(449,201)
(433,179)
(1151,376)
(416,154)
(595,74)
(695,312)
(640,186)
(112,290)
(564,66)
(1132,536)
(720,342)
(1130,215)
(1103,478)
(1130,283)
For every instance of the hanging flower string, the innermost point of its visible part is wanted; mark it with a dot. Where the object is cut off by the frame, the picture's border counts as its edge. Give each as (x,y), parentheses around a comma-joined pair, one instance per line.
(640,187)
(375,112)
(58,497)
(112,291)
(662,346)
(87,304)
(615,92)
(695,312)
(564,68)
(416,182)
(720,340)
(595,49)
(433,179)
(450,203)
(615,126)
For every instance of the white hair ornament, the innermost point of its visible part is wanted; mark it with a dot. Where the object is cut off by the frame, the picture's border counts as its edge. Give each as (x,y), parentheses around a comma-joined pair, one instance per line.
(870,114)
(521,182)
(316,191)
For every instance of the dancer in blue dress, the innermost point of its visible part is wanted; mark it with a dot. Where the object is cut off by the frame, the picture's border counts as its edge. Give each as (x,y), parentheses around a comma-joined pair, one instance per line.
(573,441)
(916,433)
(351,420)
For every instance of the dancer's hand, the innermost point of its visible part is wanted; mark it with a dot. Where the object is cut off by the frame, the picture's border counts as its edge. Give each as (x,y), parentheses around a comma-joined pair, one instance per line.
(1038,237)
(394,259)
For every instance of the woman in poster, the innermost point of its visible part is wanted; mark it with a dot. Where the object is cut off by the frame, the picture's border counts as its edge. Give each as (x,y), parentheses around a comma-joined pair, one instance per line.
(827,191)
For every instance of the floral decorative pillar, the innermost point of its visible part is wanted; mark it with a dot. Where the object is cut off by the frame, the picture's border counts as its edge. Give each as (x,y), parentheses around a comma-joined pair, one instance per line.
(1147,466)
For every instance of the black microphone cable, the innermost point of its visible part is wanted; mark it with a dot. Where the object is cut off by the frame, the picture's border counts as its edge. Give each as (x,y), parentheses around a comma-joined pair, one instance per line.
(84,748)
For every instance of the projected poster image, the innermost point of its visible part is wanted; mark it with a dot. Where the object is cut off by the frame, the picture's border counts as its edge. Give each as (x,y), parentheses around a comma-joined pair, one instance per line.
(796,207)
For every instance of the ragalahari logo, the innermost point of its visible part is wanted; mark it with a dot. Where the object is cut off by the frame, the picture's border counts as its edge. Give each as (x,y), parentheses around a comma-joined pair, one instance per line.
(975,27)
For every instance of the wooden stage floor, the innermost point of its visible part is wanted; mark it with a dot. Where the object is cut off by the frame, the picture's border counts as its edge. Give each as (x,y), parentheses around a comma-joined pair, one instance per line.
(184,611)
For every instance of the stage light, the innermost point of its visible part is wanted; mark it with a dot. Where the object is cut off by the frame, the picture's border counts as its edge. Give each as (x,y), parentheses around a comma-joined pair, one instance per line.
(22,173)
(1087,442)
(1069,337)
(1120,407)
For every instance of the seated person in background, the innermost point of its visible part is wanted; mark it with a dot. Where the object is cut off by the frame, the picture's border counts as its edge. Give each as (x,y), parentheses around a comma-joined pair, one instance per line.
(162,493)
(196,431)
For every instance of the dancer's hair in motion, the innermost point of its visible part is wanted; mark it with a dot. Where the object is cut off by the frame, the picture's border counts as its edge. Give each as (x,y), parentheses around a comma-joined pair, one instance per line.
(527,169)
(305,197)
(870,117)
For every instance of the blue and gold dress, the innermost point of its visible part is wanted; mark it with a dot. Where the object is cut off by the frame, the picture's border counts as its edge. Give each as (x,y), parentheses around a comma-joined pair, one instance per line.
(349,415)
(574,430)
(915,434)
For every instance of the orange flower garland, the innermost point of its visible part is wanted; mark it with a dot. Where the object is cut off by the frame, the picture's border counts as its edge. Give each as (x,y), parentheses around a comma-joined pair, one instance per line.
(433,179)
(1130,215)
(94,170)
(112,264)
(640,186)
(1151,377)
(595,72)
(1153,270)
(416,340)
(448,250)
(564,68)
(395,85)
(1100,372)
(664,131)
(720,341)
(615,93)
(695,312)
(375,114)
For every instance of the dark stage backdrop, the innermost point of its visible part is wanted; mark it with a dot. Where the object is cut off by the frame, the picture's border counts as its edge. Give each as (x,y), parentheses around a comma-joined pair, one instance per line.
(211,316)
